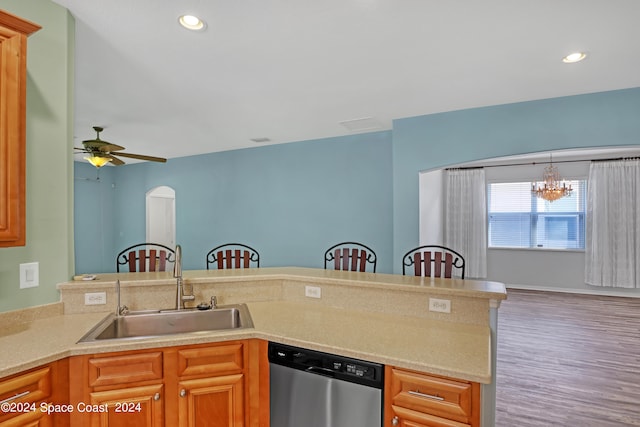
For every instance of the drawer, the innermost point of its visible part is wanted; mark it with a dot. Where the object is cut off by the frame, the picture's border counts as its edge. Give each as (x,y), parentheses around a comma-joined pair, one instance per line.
(409,418)
(29,387)
(211,360)
(125,368)
(448,398)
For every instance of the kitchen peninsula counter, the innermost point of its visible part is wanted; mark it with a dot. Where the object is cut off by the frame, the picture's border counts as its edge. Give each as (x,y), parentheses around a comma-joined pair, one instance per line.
(378,317)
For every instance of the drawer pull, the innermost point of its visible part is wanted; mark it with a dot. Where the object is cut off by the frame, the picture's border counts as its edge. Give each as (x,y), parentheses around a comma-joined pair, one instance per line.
(426,396)
(395,421)
(12,398)
(183,393)
(156,396)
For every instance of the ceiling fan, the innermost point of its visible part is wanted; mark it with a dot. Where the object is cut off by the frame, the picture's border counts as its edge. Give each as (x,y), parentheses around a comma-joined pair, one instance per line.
(102,152)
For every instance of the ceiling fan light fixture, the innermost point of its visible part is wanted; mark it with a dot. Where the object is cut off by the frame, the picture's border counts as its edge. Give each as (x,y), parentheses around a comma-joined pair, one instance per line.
(574,57)
(191,22)
(97,161)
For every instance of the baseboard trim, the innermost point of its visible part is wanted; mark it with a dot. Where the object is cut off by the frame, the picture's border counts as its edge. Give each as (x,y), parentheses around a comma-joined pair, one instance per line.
(605,292)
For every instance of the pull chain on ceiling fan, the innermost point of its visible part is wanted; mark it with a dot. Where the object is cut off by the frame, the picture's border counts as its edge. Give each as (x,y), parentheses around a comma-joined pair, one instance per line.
(101,152)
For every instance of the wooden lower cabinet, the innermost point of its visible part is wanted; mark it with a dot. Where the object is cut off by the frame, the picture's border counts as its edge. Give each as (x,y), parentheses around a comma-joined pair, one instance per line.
(198,385)
(416,399)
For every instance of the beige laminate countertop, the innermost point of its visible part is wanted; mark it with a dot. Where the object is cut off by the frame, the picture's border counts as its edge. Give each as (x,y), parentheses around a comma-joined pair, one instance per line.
(452,349)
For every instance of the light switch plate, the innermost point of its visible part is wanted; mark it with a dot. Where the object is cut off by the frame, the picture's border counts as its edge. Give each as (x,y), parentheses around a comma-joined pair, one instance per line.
(29,275)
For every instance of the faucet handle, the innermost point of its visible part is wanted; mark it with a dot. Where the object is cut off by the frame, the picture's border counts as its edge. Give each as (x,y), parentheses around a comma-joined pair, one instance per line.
(214,302)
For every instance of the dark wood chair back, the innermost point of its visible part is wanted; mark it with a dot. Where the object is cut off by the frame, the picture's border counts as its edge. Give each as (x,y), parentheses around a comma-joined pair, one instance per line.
(233,255)
(350,256)
(145,257)
(433,261)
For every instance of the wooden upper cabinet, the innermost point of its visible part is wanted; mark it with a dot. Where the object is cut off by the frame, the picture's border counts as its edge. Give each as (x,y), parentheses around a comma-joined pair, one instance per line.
(13,94)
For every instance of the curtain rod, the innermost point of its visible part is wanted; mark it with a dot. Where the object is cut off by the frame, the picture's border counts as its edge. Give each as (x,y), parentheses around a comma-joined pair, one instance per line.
(542,163)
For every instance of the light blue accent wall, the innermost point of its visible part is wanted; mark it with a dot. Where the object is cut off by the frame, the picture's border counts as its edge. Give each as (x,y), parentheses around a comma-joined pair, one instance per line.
(291,201)
(437,140)
(94,218)
(288,201)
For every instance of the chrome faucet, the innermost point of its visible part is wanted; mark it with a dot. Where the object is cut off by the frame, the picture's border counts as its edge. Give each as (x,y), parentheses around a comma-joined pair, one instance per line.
(121,310)
(177,273)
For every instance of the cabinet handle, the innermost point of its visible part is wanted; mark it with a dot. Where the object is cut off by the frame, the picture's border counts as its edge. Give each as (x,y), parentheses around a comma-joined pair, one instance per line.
(156,396)
(395,422)
(427,396)
(183,393)
(12,398)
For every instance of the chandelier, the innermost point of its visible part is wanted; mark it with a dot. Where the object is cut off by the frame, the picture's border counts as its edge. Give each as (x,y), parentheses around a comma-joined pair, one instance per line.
(552,186)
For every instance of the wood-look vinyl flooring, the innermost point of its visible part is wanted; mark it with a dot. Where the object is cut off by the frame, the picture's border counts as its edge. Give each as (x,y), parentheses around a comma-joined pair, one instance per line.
(568,360)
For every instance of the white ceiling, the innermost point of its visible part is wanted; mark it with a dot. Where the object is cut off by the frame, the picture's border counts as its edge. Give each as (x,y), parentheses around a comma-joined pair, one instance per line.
(293,70)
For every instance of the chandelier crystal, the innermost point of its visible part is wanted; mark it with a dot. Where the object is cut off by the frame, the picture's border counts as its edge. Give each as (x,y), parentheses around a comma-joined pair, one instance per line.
(552,186)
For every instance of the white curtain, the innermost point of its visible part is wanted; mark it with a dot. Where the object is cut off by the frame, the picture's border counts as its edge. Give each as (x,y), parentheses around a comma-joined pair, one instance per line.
(466,218)
(612,247)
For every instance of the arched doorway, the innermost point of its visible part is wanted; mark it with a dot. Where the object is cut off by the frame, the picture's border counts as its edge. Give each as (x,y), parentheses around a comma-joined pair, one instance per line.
(161,216)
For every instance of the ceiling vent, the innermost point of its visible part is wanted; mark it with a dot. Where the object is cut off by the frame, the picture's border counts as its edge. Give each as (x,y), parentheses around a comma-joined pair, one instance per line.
(363,124)
(260,140)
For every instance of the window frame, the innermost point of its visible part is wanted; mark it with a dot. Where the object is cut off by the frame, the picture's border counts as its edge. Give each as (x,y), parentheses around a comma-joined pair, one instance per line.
(534,216)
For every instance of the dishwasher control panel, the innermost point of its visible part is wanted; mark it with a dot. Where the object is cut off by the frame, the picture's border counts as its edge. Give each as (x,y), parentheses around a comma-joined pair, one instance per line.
(330,365)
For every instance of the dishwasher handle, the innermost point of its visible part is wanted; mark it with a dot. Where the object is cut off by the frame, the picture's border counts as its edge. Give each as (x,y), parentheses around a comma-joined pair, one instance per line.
(321,371)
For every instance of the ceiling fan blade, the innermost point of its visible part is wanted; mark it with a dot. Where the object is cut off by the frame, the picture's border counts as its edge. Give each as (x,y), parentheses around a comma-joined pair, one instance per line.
(142,157)
(99,145)
(114,160)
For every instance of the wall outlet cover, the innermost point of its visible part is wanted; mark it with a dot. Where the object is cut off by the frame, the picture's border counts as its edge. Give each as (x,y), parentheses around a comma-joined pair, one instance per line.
(95,298)
(313,291)
(440,305)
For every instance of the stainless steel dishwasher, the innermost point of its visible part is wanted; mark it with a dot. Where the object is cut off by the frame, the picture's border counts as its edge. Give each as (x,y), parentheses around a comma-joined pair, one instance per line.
(314,389)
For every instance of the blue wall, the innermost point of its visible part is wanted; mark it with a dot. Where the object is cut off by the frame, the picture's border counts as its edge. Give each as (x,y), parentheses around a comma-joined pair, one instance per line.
(437,140)
(291,201)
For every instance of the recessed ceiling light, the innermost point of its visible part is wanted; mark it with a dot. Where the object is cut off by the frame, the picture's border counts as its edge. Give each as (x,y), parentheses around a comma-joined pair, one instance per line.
(574,57)
(191,22)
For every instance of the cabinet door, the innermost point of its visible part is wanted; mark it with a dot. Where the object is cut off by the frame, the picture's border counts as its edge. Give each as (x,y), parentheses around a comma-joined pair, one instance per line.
(212,402)
(127,407)
(13,82)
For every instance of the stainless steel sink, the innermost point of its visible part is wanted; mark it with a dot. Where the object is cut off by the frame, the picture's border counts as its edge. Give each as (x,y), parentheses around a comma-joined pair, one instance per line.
(150,324)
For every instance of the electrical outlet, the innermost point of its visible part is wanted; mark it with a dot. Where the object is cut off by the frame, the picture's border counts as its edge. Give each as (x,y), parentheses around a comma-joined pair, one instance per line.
(29,275)
(440,305)
(313,291)
(95,298)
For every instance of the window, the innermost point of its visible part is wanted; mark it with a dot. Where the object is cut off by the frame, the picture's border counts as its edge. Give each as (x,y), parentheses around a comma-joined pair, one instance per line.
(518,219)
